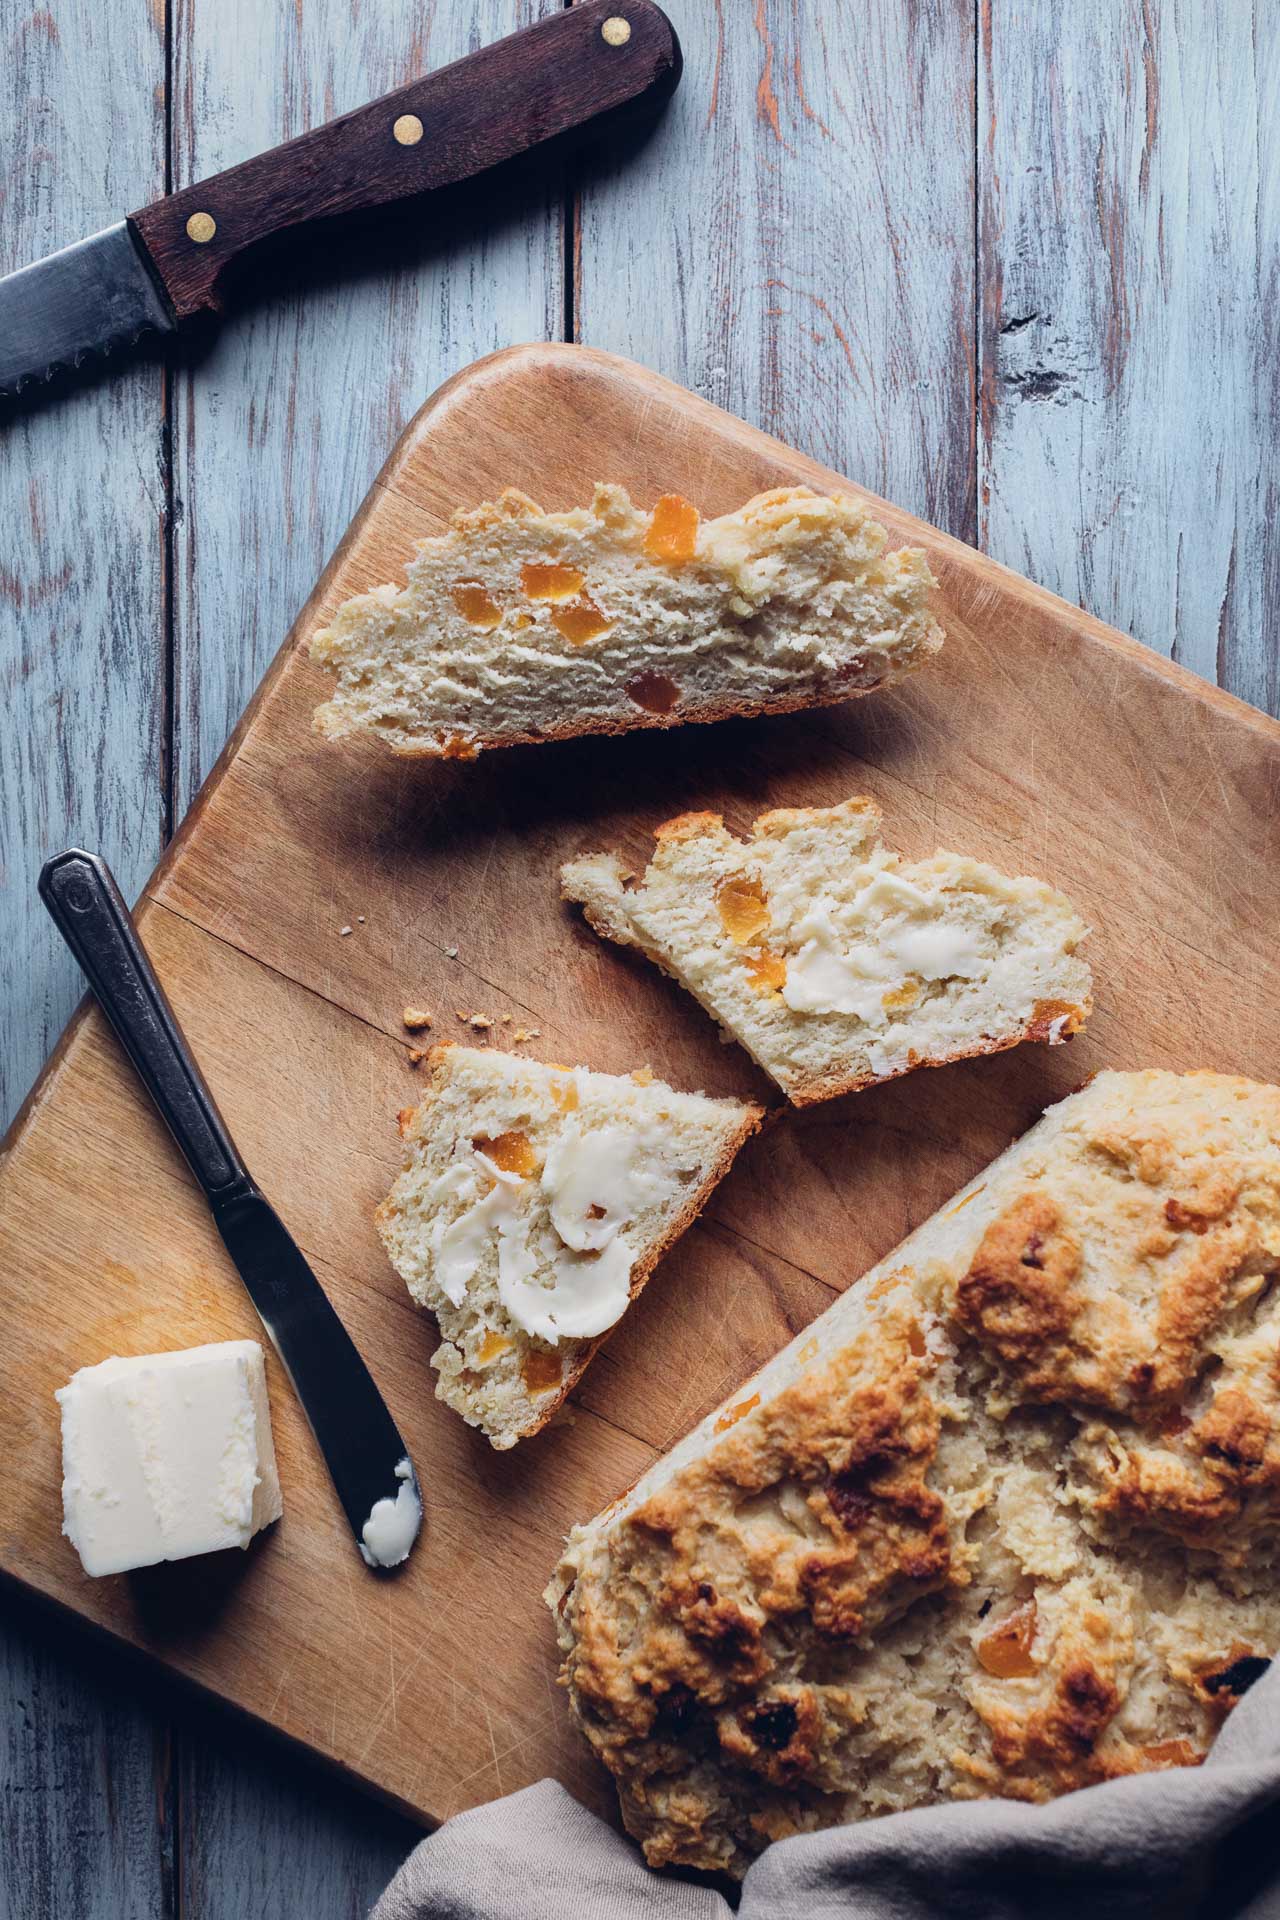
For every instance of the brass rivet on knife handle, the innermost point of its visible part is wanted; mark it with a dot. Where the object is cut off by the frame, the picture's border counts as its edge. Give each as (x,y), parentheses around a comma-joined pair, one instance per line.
(616,31)
(408,129)
(201,227)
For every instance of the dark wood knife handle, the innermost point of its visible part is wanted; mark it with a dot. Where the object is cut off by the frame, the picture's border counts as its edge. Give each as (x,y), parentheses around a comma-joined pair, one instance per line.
(567,74)
(89,911)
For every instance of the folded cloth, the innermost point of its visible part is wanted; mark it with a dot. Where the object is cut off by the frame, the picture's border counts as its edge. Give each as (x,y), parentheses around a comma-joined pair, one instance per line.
(1190,1841)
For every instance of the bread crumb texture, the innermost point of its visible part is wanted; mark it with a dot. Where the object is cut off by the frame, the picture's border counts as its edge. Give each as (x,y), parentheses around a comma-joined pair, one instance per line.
(1002,1522)
(533,1205)
(831,960)
(519,625)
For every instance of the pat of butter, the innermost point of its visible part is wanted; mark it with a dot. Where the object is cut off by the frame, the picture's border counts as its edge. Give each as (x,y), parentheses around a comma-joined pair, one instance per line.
(569,1277)
(834,974)
(166,1455)
(937,951)
(597,1182)
(824,977)
(392,1526)
(588,1292)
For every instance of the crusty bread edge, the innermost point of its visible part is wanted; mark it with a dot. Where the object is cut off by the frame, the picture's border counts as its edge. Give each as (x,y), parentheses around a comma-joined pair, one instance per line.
(752,1119)
(707,713)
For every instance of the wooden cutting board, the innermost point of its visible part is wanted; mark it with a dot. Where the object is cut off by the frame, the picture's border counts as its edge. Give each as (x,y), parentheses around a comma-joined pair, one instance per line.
(1041,740)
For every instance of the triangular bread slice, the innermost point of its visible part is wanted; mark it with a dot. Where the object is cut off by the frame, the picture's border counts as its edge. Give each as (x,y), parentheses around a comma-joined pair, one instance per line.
(519,625)
(534,1204)
(831,961)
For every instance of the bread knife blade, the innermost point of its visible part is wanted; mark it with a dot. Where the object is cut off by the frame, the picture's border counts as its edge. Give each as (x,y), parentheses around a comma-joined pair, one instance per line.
(366,1457)
(569,76)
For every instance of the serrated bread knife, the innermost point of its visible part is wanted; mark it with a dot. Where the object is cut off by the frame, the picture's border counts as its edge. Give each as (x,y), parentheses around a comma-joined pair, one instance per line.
(367,1460)
(570,74)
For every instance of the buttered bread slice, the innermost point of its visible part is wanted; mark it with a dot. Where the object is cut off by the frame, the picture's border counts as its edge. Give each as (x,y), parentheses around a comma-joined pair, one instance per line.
(834,963)
(519,625)
(533,1206)
(1005,1520)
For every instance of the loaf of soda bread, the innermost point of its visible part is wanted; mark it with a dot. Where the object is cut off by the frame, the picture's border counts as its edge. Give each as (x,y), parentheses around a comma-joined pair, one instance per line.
(1003,1521)
(534,1203)
(519,625)
(833,962)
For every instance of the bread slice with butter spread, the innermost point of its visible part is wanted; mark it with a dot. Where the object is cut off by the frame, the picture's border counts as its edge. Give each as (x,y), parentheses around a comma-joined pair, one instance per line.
(832,961)
(533,1206)
(518,625)
(1005,1520)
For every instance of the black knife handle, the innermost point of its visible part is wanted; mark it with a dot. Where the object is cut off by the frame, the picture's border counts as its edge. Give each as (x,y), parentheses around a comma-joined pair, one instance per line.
(569,74)
(89,912)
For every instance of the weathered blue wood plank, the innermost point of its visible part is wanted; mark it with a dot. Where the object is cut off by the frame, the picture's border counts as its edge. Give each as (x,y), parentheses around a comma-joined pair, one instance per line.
(1130,247)
(265,1834)
(82,674)
(82,634)
(85,1803)
(796,240)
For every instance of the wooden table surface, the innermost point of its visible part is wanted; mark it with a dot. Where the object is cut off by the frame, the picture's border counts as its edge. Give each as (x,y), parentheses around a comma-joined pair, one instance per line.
(1014,266)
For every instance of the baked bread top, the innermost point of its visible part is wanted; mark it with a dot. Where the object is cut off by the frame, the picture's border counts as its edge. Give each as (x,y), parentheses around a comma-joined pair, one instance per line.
(519,625)
(534,1203)
(1004,1520)
(835,963)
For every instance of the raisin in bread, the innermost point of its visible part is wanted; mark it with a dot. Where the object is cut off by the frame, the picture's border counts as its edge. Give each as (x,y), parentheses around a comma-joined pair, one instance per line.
(1003,1521)
(831,961)
(519,625)
(533,1206)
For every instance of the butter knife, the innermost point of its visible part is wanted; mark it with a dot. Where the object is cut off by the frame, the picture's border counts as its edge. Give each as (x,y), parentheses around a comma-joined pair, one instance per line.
(366,1457)
(571,74)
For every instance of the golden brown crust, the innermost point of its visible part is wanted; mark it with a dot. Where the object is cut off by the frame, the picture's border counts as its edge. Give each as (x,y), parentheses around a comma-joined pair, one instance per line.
(1054,1444)
(849,1445)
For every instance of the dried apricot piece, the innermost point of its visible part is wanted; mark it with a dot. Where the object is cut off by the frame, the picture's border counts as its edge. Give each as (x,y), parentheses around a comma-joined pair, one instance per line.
(509,1152)
(1172,1753)
(491,1346)
(1006,1650)
(655,692)
(767,971)
(565,1095)
(672,536)
(744,911)
(731,1415)
(580,621)
(904,996)
(550,580)
(476,605)
(540,1370)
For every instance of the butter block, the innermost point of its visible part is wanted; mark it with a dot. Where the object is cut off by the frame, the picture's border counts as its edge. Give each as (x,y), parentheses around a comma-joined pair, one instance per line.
(166,1455)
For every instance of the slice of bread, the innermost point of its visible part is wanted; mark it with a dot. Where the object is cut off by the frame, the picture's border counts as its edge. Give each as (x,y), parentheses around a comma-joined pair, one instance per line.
(534,1204)
(831,961)
(519,625)
(1005,1520)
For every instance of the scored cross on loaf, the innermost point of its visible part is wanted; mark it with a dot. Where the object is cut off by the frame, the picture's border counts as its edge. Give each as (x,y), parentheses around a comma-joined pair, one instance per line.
(519,625)
(534,1204)
(833,962)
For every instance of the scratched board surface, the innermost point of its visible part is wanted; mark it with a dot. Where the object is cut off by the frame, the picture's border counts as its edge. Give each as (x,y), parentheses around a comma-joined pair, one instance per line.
(1010,266)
